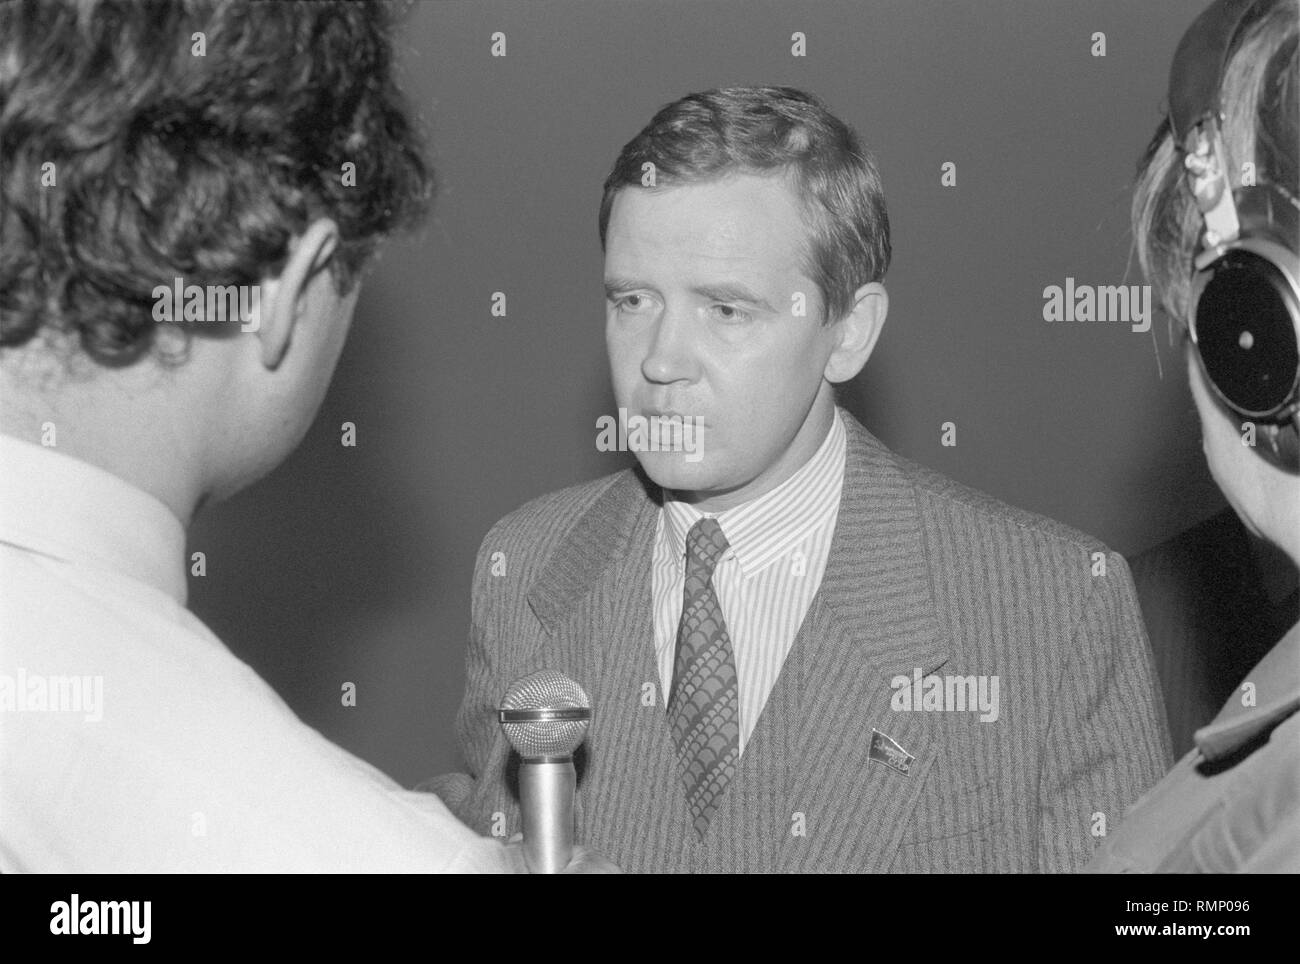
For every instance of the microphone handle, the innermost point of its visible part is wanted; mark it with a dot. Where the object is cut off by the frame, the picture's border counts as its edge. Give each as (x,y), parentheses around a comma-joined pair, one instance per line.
(546,788)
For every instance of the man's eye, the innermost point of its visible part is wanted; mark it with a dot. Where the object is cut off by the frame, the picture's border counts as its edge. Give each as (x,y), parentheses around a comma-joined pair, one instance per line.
(631,302)
(730,313)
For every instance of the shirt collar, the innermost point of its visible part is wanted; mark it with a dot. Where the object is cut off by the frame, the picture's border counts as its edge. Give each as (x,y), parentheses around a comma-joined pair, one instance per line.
(68,509)
(1277,695)
(765,529)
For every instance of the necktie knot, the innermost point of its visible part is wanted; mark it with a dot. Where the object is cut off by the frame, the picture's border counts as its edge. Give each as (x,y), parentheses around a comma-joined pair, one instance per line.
(705,546)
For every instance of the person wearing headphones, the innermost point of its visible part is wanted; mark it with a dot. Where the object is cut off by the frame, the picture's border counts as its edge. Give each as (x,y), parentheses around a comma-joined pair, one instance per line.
(1216,223)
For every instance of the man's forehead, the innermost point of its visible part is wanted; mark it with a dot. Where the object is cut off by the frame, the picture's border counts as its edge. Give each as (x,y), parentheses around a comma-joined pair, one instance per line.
(740,217)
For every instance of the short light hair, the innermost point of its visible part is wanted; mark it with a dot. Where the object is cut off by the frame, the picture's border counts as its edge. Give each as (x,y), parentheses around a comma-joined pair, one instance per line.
(773,130)
(1259,81)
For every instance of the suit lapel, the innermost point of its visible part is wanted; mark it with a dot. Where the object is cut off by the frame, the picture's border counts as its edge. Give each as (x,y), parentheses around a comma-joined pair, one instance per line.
(872,619)
(594,601)
(621,515)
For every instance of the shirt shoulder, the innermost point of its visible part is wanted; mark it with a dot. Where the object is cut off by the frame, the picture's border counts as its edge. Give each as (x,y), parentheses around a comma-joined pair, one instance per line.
(1215,818)
(138,742)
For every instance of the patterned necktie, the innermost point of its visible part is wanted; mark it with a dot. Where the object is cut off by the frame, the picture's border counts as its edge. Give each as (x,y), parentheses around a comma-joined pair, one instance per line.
(704,709)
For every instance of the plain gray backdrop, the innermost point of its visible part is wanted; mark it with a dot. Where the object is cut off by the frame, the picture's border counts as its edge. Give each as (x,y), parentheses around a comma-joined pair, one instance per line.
(353,564)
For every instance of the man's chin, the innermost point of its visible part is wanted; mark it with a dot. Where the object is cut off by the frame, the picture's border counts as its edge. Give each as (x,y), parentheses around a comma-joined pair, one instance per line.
(678,471)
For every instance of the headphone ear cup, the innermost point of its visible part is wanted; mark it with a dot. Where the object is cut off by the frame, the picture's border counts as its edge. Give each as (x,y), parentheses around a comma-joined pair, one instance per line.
(1245,323)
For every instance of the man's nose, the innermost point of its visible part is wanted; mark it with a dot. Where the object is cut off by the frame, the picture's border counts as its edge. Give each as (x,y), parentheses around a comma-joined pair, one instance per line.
(670,356)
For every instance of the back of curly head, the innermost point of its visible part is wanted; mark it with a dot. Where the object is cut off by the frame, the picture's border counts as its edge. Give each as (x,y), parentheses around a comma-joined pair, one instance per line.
(169,164)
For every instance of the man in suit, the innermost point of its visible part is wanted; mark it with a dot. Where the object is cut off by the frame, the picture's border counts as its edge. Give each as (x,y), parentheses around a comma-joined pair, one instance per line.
(803,652)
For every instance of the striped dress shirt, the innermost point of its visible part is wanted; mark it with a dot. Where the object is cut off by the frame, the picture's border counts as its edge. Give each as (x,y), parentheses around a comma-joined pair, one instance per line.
(765,583)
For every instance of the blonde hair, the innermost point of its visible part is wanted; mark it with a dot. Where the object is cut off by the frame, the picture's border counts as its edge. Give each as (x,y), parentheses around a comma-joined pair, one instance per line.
(1261,72)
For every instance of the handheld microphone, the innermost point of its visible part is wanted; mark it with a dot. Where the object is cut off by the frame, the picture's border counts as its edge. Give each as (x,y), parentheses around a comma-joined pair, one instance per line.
(545,717)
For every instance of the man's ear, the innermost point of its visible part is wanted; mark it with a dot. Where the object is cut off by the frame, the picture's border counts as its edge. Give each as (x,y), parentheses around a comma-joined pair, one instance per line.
(284,299)
(857,331)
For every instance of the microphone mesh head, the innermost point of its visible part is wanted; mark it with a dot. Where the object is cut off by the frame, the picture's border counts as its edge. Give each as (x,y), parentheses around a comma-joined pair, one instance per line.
(547,689)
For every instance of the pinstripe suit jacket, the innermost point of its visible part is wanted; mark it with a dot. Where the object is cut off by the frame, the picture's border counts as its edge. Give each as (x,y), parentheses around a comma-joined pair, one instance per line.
(923,574)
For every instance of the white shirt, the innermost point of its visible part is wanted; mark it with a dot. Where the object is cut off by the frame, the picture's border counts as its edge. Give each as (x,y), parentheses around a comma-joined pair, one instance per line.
(132,740)
(766,581)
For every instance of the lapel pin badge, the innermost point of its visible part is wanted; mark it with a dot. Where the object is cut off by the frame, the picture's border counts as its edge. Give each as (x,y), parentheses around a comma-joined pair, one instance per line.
(885,750)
